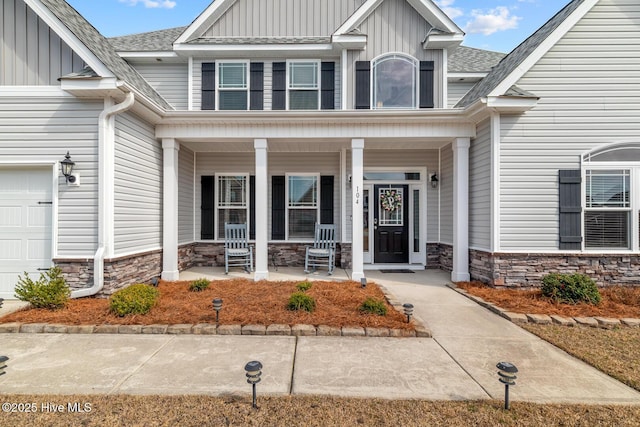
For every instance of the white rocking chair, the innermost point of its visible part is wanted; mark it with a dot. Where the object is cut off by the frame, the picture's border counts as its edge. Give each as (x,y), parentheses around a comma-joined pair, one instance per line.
(237,251)
(323,251)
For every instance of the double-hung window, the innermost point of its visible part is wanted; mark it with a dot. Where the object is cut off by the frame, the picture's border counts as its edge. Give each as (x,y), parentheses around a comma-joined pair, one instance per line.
(233,86)
(607,218)
(303,84)
(232,201)
(303,207)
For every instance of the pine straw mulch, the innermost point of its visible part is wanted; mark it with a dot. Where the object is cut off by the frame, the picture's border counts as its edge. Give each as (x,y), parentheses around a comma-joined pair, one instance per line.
(617,301)
(245,302)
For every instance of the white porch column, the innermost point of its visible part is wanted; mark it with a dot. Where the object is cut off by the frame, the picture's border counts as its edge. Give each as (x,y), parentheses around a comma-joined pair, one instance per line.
(262,207)
(357,172)
(170,150)
(460,271)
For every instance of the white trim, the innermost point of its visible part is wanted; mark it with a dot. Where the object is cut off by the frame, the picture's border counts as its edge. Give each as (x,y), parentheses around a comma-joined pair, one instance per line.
(244,49)
(195,181)
(460,271)
(358,17)
(544,47)
(343,195)
(262,202)
(190,84)
(466,76)
(210,15)
(445,81)
(344,77)
(147,55)
(69,38)
(357,188)
(35,91)
(170,158)
(439,196)
(495,125)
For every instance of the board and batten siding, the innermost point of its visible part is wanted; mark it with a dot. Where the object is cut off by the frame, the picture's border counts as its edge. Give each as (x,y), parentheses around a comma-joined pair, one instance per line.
(41,130)
(137,186)
(456,90)
(32,54)
(480,188)
(283,18)
(395,27)
(446,194)
(169,80)
(186,201)
(589,89)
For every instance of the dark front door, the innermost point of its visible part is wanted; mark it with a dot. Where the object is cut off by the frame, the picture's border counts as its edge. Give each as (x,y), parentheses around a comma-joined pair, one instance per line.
(391,224)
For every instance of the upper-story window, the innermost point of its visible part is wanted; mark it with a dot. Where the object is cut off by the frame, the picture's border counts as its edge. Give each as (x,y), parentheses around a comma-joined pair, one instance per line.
(304,85)
(395,82)
(233,86)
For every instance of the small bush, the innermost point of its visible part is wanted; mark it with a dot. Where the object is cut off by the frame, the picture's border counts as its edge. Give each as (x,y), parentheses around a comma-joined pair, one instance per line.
(570,288)
(199,285)
(304,286)
(50,291)
(373,306)
(301,301)
(135,299)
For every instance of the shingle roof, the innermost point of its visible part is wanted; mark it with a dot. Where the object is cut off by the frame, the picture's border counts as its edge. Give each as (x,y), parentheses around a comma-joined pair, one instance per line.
(517,56)
(471,60)
(102,49)
(154,41)
(261,40)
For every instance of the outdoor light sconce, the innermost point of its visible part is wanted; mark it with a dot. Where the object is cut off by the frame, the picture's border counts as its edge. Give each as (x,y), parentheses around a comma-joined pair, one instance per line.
(507,376)
(66,167)
(3,361)
(217,306)
(254,372)
(363,283)
(434,180)
(408,311)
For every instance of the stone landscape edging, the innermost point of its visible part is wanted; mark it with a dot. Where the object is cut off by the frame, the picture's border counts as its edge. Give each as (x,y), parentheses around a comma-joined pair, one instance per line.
(544,319)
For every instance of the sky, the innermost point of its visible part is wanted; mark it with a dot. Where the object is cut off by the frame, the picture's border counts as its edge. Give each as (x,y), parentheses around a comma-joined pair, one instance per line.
(498,25)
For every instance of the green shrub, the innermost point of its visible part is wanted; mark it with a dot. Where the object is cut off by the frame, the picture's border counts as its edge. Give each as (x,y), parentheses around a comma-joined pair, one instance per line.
(301,301)
(199,285)
(373,306)
(570,288)
(135,299)
(303,286)
(50,291)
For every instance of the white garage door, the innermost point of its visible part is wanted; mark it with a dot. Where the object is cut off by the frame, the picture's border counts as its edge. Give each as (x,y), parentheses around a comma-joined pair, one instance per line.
(25,224)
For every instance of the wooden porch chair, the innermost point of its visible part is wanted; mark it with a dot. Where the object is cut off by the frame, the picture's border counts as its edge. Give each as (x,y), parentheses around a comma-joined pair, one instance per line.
(323,251)
(237,251)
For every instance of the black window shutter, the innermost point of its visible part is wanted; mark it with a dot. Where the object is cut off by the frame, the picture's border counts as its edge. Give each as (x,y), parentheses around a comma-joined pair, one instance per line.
(326,199)
(256,97)
(278,210)
(208,86)
(363,85)
(570,193)
(252,207)
(426,84)
(328,86)
(279,86)
(207,207)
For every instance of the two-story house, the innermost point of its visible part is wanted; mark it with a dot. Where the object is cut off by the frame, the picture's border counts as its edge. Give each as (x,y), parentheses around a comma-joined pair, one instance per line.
(286,113)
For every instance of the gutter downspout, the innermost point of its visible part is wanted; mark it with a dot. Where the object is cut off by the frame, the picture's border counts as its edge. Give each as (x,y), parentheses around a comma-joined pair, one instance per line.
(106,141)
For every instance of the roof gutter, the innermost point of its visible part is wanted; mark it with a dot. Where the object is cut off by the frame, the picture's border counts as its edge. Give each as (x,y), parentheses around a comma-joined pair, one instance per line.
(106,142)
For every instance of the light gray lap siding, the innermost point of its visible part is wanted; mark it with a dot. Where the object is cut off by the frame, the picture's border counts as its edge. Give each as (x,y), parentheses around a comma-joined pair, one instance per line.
(186,201)
(480,188)
(170,80)
(138,186)
(41,130)
(446,195)
(589,92)
(456,90)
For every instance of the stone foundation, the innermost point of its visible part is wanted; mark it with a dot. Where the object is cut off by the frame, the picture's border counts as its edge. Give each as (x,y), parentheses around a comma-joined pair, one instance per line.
(527,270)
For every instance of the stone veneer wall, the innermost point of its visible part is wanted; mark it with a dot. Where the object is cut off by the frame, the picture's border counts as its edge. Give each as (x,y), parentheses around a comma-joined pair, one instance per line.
(118,272)
(286,254)
(527,270)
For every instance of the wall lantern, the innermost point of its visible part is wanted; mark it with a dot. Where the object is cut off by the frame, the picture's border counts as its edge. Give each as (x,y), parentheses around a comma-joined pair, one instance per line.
(507,376)
(434,180)
(66,167)
(254,372)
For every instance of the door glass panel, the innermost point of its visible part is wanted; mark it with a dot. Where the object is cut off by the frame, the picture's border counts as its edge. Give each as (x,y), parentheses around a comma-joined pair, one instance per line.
(365,220)
(416,220)
(390,205)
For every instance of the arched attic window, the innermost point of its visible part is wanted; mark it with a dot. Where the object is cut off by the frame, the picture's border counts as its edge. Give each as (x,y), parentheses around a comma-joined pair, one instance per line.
(395,80)
(624,152)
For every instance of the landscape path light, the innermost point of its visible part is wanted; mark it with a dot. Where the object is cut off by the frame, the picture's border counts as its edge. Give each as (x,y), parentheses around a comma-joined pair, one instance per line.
(254,372)
(507,376)
(1,302)
(408,311)
(3,365)
(217,306)
(363,282)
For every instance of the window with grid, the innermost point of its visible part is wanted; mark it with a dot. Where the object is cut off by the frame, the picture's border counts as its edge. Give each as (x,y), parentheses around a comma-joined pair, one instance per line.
(607,218)
(232,201)
(233,88)
(302,205)
(304,85)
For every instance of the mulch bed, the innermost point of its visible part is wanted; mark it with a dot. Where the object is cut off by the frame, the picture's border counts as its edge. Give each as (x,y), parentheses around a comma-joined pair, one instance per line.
(245,302)
(617,301)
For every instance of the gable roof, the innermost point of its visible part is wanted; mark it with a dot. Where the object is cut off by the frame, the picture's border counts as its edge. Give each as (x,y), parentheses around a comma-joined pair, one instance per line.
(153,41)
(98,45)
(466,59)
(511,68)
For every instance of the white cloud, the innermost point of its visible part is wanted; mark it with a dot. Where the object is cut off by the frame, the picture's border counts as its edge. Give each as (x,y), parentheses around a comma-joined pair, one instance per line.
(152,4)
(492,21)
(447,7)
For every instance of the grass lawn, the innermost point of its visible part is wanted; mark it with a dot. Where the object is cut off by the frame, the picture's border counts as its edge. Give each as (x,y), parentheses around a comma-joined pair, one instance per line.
(119,410)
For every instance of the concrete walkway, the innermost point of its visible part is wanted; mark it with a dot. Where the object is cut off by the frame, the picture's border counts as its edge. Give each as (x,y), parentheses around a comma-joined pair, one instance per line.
(458,363)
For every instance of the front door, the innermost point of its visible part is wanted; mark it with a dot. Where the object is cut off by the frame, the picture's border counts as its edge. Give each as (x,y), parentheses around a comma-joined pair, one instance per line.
(391,224)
